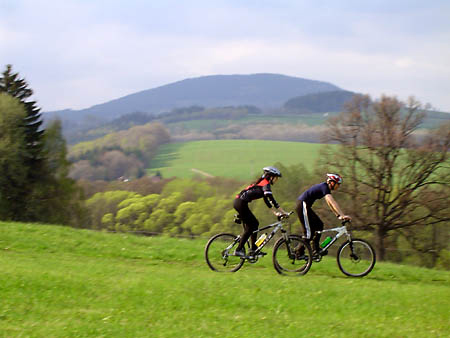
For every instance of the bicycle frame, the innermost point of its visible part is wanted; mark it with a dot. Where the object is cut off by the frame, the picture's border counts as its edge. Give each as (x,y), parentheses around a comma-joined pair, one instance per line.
(340,231)
(277,226)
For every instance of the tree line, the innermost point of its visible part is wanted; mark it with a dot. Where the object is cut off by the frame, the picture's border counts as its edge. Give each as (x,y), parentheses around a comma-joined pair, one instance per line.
(125,153)
(92,128)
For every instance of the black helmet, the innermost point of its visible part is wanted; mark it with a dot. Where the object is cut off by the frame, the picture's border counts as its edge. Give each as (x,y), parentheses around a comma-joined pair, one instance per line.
(271,171)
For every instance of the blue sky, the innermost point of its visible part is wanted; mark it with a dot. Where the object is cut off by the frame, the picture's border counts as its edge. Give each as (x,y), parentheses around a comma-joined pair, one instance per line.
(78,53)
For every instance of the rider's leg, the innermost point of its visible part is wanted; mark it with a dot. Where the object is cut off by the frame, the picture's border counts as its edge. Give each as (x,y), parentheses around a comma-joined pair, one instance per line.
(316,225)
(302,213)
(250,223)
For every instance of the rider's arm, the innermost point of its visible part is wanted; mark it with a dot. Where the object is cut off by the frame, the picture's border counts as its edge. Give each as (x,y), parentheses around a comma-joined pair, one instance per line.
(268,197)
(270,201)
(334,206)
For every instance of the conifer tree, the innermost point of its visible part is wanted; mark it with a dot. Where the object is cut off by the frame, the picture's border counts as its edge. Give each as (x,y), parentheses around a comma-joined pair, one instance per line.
(43,192)
(12,84)
(13,173)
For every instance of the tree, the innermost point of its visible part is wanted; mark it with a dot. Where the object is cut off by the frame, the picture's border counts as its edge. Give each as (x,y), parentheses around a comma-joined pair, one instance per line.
(105,203)
(12,154)
(17,87)
(44,192)
(388,175)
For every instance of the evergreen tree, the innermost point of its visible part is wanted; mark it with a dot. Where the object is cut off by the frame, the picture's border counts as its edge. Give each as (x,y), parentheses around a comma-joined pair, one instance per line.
(42,190)
(17,87)
(13,174)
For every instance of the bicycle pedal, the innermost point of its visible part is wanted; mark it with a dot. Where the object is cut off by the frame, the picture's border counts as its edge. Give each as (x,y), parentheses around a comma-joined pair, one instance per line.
(302,257)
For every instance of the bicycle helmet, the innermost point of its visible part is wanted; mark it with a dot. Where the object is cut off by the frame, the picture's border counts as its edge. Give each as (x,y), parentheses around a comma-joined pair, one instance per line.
(334,177)
(271,171)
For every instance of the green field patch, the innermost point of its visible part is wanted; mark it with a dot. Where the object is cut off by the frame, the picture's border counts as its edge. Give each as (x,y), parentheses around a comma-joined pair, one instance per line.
(238,159)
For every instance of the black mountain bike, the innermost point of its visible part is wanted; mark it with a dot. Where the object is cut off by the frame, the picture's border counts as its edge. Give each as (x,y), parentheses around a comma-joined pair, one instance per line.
(219,250)
(355,257)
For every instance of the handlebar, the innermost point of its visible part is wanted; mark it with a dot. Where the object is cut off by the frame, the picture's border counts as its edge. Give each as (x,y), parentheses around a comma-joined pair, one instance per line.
(285,216)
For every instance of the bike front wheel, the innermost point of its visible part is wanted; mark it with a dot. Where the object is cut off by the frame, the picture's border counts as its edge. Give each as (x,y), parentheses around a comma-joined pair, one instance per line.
(219,253)
(292,257)
(356,258)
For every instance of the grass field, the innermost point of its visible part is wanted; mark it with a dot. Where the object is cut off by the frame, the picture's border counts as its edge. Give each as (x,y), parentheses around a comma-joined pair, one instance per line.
(62,282)
(240,159)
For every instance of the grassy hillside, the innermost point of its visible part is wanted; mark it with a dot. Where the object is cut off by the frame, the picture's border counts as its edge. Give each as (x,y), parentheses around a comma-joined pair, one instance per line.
(240,159)
(62,282)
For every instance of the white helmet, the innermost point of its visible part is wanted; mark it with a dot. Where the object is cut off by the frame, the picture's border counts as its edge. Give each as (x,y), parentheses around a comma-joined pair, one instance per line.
(271,171)
(335,178)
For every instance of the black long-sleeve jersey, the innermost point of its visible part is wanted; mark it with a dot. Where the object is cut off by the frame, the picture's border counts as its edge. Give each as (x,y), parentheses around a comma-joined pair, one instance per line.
(260,190)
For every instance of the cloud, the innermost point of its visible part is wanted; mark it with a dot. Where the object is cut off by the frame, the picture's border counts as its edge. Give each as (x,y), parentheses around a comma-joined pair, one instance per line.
(79,53)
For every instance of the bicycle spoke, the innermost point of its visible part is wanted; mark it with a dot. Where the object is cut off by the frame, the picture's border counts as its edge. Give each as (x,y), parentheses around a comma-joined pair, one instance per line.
(219,253)
(356,259)
(292,257)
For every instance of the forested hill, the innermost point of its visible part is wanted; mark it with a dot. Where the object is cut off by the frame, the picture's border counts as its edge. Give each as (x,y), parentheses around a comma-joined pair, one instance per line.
(323,102)
(261,90)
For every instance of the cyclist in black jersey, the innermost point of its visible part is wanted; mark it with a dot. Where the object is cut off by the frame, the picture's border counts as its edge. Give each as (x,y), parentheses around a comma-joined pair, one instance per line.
(259,189)
(308,218)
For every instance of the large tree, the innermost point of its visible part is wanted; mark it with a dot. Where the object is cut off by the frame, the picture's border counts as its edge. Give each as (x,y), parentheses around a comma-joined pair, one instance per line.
(394,180)
(13,173)
(41,190)
(12,84)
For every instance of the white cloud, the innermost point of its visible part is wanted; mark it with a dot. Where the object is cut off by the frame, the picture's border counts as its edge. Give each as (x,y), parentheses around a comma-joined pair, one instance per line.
(79,53)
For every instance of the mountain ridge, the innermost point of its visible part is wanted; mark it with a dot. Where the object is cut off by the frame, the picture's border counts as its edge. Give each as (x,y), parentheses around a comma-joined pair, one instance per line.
(264,90)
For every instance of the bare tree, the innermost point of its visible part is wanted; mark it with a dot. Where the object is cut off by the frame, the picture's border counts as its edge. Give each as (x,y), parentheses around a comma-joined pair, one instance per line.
(393,181)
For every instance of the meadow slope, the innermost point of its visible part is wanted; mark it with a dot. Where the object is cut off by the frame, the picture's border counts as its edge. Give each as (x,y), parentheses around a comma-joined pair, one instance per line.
(62,282)
(239,159)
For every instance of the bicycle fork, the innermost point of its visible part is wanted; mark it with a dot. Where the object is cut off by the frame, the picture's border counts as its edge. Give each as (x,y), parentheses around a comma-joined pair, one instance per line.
(290,251)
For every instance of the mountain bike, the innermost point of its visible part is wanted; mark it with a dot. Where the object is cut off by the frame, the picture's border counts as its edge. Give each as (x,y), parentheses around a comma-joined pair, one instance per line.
(219,250)
(355,257)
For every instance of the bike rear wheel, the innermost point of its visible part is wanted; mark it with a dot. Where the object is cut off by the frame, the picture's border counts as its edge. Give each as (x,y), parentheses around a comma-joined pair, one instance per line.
(219,253)
(288,258)
(356,258)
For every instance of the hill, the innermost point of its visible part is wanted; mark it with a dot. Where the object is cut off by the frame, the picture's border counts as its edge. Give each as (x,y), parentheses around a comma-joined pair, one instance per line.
(319,102)
(261,90)
(62,282)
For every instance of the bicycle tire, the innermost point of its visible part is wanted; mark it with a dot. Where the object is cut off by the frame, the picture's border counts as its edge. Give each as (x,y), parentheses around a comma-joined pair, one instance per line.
(361,264)
(218,257)
(286,262)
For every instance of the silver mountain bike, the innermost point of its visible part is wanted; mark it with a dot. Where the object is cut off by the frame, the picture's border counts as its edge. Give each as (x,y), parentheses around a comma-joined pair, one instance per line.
(219,250)
(355,257)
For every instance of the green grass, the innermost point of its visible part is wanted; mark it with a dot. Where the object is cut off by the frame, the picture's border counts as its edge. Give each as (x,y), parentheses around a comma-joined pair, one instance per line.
(239,159)
(62,282)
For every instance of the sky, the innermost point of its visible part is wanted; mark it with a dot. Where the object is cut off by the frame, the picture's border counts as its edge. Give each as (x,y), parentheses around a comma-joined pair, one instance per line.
(78,53)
